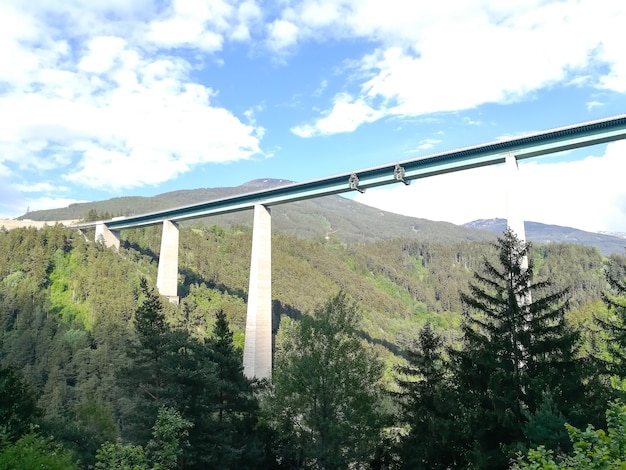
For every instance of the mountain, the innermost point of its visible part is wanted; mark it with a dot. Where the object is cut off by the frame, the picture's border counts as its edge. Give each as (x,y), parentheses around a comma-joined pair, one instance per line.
(331,216)
(539,233)
(325,217)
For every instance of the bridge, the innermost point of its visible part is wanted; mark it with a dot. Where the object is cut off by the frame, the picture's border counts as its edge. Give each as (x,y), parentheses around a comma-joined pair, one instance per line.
(258,336)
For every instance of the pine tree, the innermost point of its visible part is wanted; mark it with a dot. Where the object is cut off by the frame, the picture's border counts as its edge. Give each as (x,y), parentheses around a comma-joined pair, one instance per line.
(228,416)
(427,405)
(517,353)
(147,377)
(18,406)
(615,324)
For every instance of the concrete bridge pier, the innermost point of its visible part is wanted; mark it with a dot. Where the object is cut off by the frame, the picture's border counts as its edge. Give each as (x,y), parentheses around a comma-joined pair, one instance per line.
(167,276)
(514,219)
(110,238)
(257,351)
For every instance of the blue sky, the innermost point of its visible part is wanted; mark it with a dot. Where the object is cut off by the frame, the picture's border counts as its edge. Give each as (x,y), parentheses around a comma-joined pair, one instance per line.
(107,98)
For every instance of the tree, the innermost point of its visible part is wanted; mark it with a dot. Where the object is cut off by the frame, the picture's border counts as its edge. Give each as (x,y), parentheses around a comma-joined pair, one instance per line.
(169,435)
(18,406)
(233,406)
(615,323)
(219,400)
(34,451)
(147,376)
(325,401)
(120,456)
(517,353)
(593,449)
(163,451)
(427,405)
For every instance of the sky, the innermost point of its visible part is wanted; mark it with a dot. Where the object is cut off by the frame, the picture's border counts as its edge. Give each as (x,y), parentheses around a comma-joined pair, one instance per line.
(110,98)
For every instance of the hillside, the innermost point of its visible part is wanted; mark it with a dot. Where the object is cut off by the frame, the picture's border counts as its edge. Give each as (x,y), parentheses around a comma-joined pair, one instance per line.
(340,217)
(67,304)
(331,216)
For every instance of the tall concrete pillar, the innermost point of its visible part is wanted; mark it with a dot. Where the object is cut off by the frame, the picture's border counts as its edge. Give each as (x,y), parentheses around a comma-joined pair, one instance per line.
(110,238)
(167,276)
(514,219)
(257,351)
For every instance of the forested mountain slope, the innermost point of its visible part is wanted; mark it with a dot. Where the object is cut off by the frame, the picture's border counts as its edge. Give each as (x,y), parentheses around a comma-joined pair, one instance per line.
(67,303)
(400,284)
(346,220)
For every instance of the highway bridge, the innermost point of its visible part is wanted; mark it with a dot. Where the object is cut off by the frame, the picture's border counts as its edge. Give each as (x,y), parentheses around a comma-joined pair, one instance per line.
(258,336)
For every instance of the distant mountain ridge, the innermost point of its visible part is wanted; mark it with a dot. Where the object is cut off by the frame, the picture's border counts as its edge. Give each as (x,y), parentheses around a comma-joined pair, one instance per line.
(331,216)
(539,233)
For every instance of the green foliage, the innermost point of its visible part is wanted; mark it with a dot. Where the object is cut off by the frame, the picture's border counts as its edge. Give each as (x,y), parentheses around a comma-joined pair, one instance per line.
(18,406)
(90,425)
(67,308)
(326,400)
(203,379)
(93,215)
(147,376)
(517,349)
(228,415)
(61,299)
(546,426)
(169,435)
(614,324)
(32,451)
(427,406)
(121,457)
(593,449)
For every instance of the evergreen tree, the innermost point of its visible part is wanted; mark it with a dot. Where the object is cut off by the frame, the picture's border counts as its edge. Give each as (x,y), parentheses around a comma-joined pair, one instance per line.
(225,418)
(325,404)
(517,351)
(147,376)
(615,324)
(427,405)
(18,406)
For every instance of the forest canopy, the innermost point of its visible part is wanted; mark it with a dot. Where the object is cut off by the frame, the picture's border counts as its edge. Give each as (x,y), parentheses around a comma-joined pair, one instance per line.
(107,371)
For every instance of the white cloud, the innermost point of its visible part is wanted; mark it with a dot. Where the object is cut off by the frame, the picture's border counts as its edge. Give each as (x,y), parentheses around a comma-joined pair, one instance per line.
(588,194)
(426,144)
(450,56)
(112,112)
(13,203)
(471,122)
(200,24)
(110,94)
(347,114)
(39,188)
(103,51)
(45,203)
(248,15)
(282,34)
(594,104)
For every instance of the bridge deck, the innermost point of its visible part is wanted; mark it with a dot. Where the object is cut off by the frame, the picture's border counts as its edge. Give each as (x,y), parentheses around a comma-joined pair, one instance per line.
(541,143)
